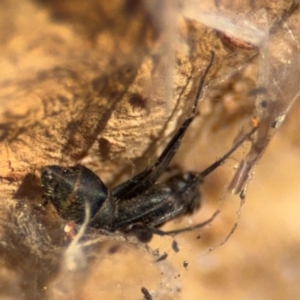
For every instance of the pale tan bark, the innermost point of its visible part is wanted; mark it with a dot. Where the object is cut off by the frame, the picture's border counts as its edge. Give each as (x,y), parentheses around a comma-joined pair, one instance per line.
(105,84)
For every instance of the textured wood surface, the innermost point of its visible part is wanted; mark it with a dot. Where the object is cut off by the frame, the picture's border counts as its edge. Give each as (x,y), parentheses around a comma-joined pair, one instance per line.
(105,84)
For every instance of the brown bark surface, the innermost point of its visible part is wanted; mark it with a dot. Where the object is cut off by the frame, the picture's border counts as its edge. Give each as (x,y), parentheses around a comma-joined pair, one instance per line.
(106,84)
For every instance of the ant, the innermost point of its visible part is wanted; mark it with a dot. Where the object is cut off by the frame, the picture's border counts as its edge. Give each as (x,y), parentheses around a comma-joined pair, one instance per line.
(139,205)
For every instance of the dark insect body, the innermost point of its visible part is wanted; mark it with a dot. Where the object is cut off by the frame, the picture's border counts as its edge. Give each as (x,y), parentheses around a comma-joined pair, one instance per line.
(139,205)
(147,295)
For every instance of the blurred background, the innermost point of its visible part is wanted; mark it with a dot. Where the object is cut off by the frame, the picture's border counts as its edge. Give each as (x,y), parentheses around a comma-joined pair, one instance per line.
(106,84)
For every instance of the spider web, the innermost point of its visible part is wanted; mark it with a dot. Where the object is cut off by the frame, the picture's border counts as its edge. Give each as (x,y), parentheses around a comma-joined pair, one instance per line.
(117,267)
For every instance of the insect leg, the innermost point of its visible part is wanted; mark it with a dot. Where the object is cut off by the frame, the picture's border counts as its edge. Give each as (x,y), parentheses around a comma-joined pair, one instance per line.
(142,181)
